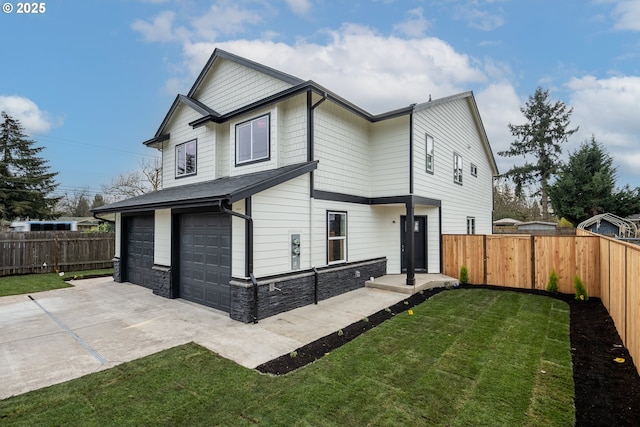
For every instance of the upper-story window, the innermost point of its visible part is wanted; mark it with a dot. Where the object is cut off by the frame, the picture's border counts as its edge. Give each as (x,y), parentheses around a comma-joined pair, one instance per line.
(252,140)
(430,152)
(457,168)
(474,170)
(186,158)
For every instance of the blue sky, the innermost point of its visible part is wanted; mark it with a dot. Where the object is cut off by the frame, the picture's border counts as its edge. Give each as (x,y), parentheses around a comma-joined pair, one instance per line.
(90,80)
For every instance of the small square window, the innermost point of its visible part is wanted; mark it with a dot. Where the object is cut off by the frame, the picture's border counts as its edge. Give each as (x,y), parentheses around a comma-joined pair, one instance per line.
(474,170)
(429,152)
(457,168)
(186,158)
(336,237)
(252,140)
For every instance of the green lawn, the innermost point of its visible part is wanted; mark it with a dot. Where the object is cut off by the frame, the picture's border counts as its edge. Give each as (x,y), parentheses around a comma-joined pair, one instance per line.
(468,357)
(29,283)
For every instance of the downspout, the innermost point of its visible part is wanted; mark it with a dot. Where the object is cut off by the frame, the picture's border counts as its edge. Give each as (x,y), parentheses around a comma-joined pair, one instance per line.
(249,249)
(310,157)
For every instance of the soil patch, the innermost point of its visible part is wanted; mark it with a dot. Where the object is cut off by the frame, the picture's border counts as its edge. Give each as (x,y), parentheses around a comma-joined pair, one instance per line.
(607,393)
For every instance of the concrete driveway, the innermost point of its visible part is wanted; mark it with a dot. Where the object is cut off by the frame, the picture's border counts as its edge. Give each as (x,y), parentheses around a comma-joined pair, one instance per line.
(51,337)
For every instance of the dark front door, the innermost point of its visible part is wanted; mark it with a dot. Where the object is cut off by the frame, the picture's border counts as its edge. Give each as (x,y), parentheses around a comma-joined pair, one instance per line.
(205,259)
(420,242)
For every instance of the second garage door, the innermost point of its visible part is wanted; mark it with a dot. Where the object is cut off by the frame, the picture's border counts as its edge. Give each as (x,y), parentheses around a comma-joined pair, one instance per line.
(205,259)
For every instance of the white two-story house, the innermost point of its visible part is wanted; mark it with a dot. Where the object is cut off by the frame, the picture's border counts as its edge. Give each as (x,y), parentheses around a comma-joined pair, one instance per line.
(278,192)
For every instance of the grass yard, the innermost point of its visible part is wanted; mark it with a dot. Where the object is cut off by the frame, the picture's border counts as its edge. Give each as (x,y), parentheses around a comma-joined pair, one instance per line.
(29,283)
(467,357)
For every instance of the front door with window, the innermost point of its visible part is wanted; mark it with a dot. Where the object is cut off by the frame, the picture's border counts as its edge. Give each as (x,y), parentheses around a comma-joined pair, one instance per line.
(420,242)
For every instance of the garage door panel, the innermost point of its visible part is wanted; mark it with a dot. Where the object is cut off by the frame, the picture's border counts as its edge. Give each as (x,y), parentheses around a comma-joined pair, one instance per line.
(205,261)
(139,258)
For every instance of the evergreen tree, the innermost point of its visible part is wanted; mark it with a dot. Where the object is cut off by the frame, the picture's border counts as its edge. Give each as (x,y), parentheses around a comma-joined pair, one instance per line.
(541,137)
(585,185)
(98,200)
(25,181)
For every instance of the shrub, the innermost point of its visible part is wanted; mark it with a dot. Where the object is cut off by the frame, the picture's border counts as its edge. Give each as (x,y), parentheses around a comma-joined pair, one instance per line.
(564,223)
(581,291)
(464,275)
(552,285)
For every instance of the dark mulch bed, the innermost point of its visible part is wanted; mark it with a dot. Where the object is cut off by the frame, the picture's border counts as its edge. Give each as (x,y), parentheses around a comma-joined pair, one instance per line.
(607,392)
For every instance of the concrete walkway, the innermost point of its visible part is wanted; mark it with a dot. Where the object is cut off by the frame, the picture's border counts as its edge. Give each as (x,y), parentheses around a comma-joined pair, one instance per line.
(51,337)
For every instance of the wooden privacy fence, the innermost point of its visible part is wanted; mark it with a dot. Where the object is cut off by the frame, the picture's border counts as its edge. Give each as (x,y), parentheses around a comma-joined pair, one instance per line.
(609,268)
(49,251)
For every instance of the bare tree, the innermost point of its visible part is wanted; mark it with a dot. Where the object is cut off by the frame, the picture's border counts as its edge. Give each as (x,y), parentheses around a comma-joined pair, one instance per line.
(75,204)
(135,183)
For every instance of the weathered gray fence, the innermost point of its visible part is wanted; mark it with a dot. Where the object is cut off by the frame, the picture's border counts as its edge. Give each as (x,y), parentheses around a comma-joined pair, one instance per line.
(50,251)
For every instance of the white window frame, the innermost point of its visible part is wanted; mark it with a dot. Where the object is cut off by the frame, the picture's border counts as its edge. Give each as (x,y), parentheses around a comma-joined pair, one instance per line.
(474,170)
(429,153)
(471,225)
(331,239)
(182,151)
(457,168)
(251,125)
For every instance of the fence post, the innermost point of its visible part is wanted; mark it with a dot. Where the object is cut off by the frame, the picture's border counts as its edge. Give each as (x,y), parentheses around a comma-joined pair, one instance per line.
(533,262)
(484,259)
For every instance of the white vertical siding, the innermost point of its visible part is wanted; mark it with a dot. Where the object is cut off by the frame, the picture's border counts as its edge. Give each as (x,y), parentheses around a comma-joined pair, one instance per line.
(454,129)
(278,212)
(181,132)
(342,146)
(162,237)
(389,169)
(238,241)
(223,167)
(118,227)
(229,86)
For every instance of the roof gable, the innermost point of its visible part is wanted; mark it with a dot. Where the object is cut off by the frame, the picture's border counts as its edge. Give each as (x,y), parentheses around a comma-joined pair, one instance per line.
(473,108)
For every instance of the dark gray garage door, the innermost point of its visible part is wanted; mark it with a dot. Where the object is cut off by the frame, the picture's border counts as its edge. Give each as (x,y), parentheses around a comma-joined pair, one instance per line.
(139,251)
(205,259)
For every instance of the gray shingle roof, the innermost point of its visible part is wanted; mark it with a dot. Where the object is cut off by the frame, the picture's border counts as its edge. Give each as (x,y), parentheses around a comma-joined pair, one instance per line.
(227,189)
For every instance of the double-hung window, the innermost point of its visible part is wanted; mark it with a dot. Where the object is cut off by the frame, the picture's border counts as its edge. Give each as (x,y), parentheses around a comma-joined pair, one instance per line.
(186,158)
(252,140)
(429,152)
(336,237)
(457,168)
(471,225)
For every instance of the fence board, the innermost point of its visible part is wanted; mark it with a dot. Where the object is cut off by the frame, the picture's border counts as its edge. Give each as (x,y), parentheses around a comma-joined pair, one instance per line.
(48,251)
(617,287)
(467,250)
(632,324)
(605,273)
(509,261)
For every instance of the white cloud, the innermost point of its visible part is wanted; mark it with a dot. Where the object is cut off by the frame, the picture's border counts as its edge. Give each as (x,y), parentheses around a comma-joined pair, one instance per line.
(300,7)
(479,16)
(499,105)
(160,28)
(627,14)
(415,25)
(224,18)
(608,109)
(377,72)
(27,112)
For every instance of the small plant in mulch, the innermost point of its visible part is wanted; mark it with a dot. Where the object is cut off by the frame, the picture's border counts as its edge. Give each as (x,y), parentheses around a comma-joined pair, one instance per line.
(293,354)
(552,284)
(464,275)
(581,291)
